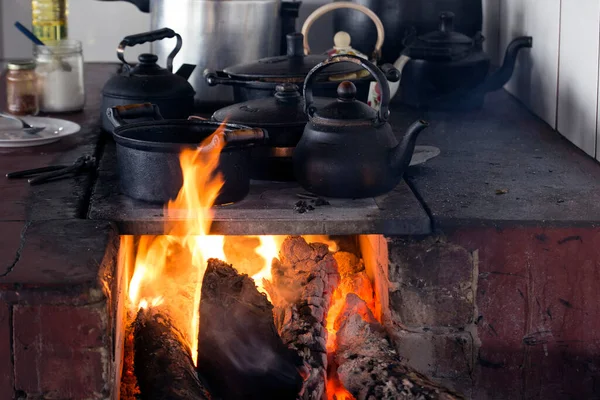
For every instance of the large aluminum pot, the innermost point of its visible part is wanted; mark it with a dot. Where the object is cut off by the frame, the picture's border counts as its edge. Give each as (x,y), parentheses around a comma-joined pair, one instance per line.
(216,34)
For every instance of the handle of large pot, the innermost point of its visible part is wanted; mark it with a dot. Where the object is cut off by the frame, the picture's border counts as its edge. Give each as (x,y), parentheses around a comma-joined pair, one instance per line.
(214,78)
(383,113)
(319,12)
(118,114)
(240,136)
(146,37)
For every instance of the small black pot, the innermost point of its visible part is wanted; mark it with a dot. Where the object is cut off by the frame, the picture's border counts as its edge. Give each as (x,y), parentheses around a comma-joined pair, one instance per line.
(148,154)
(149,83)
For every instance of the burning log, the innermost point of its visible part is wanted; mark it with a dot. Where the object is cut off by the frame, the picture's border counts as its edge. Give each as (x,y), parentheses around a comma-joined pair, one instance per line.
(368,365)
(163,361)
(239,350)
(304,279)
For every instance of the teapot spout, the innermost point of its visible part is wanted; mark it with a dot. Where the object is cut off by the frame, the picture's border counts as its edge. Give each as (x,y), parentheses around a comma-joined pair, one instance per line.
(185,71)
(403,152)
(499,78)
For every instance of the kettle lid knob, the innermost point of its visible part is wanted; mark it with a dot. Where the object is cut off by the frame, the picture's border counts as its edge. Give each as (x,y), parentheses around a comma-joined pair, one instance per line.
(148,58)
(346,91)
(342,40)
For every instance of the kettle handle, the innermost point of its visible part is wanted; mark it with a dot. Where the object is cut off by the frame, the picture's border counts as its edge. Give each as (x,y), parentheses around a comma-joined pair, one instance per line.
(319,12)
(384,112)
(146,37)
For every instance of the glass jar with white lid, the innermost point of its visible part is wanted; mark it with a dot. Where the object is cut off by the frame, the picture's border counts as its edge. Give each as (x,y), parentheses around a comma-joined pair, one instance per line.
(60,76)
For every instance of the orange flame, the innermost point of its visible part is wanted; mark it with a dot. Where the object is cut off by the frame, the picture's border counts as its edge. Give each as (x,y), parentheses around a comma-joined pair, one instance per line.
(151,283)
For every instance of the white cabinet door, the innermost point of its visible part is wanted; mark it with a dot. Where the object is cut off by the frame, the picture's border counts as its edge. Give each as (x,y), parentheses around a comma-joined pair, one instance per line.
(535,78)
(578,73)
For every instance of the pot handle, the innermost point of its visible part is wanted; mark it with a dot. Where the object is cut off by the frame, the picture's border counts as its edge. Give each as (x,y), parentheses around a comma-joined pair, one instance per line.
(239,135)
(146,37)
(214,78)
(383,113)
(117,115)
(319,12)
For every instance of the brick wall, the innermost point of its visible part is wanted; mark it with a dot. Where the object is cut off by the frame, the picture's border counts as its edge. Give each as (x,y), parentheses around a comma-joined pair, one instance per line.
(500,313)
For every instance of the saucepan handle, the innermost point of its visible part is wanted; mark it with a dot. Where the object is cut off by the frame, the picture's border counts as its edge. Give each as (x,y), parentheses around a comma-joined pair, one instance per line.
(146,37)
(240,136)
(117,115)
(383,113)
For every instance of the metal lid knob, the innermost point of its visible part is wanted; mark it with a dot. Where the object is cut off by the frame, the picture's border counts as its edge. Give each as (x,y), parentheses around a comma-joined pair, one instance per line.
(148,58)
(346,91)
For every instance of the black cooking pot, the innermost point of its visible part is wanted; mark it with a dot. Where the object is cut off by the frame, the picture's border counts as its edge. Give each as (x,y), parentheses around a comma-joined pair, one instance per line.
(149,83)
(258,80)
(284,117)
(447,70)
(148,153)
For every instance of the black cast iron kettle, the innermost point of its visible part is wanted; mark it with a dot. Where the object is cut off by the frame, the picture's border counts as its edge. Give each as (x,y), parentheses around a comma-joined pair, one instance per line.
(348,149)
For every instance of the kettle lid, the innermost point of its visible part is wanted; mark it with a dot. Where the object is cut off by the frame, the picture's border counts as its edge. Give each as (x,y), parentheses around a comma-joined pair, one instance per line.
(346,110)
(147,81)
(444,44)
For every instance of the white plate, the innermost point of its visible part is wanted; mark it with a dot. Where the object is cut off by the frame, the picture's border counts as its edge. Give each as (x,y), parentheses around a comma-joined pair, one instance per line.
(423,153)
(12,136)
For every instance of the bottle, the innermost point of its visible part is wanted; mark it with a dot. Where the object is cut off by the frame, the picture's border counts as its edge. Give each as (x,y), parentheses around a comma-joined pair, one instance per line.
(21,88)
(49,19)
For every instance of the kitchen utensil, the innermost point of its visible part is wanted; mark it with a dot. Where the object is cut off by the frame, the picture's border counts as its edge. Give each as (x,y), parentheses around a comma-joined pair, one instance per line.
(53,172)
(218,34)
(284,117)
(348,150)
(399,17)
(259,79)
(148,153)
(448,70)
(26,127)
(12,135)
(65,66)
(147,82)
(319,12)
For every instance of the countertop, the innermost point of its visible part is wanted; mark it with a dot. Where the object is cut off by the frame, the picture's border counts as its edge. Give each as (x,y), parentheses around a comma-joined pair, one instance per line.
(498,166)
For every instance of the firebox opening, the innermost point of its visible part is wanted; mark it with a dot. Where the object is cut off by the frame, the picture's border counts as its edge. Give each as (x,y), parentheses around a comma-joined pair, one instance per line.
(307,278)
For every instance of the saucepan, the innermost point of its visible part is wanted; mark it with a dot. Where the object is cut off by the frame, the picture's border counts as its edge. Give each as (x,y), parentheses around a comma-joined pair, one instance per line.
(148,153)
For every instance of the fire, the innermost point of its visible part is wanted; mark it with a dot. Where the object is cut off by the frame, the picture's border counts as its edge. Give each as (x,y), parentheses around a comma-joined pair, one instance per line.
(152,282)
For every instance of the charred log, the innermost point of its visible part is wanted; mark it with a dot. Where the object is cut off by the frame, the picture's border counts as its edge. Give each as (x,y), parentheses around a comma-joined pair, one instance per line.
(163,361)
(240,352)
(368,365)
(303,282)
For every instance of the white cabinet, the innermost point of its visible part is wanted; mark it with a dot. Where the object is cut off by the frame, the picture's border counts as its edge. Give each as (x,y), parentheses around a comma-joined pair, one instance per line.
(578,73)
(536,74)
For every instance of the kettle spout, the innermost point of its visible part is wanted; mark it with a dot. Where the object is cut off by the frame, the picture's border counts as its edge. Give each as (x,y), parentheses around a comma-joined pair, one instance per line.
(403,152)
(185,71)
(503,74)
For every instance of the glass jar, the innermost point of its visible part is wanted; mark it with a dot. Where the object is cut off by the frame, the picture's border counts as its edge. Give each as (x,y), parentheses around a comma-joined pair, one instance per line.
(21,88)
(60,76)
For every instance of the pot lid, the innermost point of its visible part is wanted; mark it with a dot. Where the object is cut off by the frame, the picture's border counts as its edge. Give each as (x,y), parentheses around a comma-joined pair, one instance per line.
(147,81)
(286,108)
(443,44)
(346,110)
(293,65)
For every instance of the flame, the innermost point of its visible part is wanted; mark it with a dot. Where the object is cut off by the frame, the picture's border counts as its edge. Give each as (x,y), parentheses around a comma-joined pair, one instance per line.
(155,281)
(268,250)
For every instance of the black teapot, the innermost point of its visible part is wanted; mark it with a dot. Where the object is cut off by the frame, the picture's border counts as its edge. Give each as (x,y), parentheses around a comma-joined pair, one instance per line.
(348,149)
(447,70)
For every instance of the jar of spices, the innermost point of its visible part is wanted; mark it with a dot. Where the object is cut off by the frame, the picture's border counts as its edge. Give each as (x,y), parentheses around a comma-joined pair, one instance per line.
(21,88)
(60,76)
